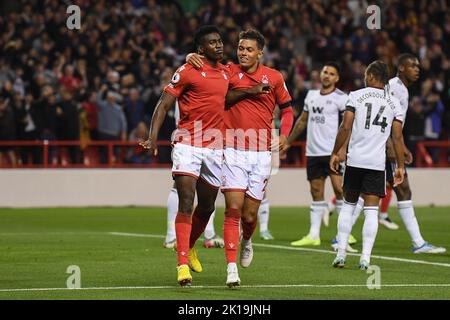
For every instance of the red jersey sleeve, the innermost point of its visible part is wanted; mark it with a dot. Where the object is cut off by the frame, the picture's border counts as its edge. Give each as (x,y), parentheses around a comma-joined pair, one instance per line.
(282,95)
(181,80)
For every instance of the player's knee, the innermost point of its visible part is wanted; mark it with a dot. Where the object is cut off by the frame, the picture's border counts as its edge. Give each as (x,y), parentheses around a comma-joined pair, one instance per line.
(206,209)
(317,193)
(248,217)
(403,192)
(338,193)
(186,203)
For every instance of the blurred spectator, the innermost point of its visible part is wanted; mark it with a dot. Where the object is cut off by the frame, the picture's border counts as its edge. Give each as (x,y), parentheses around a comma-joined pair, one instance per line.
(111,121)
(90,107)
(69,124)
(135,45)
(137,154)
(414,125)
(7,130)
(433,111)
(134,109)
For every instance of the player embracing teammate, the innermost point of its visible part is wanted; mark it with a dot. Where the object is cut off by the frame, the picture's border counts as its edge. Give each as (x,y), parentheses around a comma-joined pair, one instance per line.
(250,92)
(255,91)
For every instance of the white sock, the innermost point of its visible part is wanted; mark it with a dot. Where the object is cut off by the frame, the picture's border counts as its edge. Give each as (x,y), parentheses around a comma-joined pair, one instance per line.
(383,215)
(338,207)
(209,229)
(172,210)
(339,204)
(263,215)
(369,231)
(358,209)
(344,227)
(316,213)
(406,211)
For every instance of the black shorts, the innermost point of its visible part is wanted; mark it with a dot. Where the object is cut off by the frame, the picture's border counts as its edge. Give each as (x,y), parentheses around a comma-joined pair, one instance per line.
(318,167)
(365,181)
(390,169)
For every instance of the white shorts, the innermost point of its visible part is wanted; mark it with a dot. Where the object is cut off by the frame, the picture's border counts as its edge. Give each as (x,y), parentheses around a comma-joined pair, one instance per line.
(246,171)
(203,163)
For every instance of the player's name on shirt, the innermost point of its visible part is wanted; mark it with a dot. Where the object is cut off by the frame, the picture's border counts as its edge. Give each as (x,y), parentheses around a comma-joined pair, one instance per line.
(375,110)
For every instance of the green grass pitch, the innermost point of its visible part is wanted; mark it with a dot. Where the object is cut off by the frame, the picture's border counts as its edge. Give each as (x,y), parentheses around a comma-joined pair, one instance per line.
(38,245)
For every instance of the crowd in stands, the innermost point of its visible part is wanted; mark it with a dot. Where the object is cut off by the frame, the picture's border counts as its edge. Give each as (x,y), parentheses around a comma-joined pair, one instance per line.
(103,81)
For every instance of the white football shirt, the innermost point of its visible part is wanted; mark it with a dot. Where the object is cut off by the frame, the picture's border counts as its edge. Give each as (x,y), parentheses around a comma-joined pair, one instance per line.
(375,110)
(398,90)
(323,121)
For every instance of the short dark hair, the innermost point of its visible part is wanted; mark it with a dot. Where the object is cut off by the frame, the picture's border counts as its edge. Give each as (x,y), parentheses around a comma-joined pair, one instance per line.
(203,31)
(252,34)
(379,70)
(405,57)
(334,65)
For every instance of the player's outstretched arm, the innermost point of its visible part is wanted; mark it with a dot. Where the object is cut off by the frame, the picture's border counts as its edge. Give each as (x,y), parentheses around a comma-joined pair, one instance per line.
(298,128)
(164,104)
(343,134)
(397,141)
(407,153)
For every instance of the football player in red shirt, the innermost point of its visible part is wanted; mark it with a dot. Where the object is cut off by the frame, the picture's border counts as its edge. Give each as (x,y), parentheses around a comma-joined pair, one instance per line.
(198,141)
(255,90)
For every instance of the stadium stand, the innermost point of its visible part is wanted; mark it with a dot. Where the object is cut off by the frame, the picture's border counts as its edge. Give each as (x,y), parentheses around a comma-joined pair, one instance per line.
(53,79)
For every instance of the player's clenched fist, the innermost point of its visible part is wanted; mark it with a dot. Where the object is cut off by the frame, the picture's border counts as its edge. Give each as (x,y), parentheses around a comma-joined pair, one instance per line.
(150,145)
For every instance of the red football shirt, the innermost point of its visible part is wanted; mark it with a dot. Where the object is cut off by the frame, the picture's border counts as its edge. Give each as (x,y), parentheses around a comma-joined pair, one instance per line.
(250,120)
(201,99)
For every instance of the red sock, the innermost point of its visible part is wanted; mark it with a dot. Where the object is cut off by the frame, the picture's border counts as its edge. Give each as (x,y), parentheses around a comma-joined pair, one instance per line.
(231,233)
(248,229)
(333,200)
(183,225)
(386,200)
(199,222)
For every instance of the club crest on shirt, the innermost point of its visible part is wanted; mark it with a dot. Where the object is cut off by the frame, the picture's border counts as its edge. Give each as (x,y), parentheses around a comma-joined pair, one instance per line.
(204,74)
(224,75)
(241,75)
(265,79)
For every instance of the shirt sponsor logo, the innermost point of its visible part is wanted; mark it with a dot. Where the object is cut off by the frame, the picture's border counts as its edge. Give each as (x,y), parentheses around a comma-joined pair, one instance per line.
(317,109)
